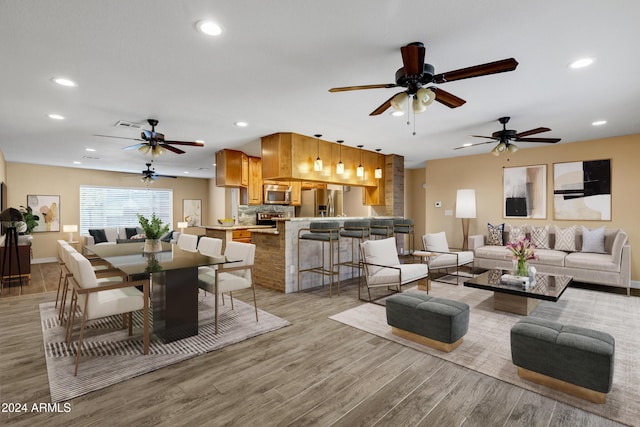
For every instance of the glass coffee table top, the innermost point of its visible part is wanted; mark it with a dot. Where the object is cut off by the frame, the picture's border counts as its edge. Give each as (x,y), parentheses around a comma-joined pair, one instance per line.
(545,287)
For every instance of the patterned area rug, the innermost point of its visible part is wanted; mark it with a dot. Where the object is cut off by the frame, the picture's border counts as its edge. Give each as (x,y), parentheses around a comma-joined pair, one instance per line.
(110,355)
(486,347)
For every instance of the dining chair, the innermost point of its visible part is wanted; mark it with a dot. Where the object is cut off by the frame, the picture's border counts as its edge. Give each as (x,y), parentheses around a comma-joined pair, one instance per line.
(60,244)
(231,277)
(97,298)
(382,266)
(445,259)
(188,242)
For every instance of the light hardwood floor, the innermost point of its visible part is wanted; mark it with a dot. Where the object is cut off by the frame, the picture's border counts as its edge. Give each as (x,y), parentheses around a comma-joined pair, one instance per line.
(314,372)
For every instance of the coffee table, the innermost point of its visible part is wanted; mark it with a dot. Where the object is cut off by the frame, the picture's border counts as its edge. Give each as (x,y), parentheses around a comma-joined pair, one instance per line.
(515,298)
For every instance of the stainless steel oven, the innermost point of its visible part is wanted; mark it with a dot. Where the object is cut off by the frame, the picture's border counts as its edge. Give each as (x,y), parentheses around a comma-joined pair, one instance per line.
(277,194)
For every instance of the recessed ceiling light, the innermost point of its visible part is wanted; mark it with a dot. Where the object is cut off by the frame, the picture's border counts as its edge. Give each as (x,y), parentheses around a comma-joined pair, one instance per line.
(77,163)
(90,149)
(241,124)
(581,63)
(200,141)
(397,113)
(209,28)
(55,116)
(468,144)
(64,82)
(186,172)
(599,123)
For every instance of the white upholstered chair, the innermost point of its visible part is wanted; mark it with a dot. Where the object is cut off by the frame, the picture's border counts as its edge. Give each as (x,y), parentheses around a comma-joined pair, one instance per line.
(382,267)
(209,246)
(97,298)
(188,242)
(444,258)
(231,277)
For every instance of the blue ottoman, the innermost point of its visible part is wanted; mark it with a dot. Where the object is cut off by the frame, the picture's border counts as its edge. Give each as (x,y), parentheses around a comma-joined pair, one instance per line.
(435,322)
(574,360)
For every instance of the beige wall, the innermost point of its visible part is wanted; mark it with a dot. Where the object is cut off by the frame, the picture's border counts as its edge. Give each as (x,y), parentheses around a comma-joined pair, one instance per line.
(483,173)
(23,179)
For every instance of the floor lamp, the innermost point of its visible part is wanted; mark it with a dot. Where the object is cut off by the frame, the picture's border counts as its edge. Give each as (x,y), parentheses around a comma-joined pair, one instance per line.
(9,219)
(465,209)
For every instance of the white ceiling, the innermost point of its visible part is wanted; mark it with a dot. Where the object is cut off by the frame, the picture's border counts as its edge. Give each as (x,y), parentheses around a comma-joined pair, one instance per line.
(275,61)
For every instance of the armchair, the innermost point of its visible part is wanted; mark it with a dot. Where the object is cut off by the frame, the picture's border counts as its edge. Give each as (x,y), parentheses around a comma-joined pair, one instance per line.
(382,267)
(444,259)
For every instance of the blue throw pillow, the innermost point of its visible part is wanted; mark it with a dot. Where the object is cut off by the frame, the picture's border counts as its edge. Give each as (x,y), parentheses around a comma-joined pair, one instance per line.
(99,236)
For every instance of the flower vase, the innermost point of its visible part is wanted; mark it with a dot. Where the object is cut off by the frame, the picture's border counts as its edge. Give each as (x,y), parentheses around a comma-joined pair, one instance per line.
(152,245)
(521,267)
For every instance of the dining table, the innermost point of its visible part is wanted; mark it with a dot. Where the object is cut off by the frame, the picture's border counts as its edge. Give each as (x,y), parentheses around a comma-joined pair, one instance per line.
(173,275)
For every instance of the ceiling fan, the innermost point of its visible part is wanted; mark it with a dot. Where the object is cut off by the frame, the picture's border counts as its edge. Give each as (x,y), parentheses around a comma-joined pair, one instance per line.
(154,142)
(505,136)
(149,175)
(416,75)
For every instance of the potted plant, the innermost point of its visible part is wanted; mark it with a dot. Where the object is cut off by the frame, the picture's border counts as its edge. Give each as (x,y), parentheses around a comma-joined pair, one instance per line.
(30,220)
(153,231)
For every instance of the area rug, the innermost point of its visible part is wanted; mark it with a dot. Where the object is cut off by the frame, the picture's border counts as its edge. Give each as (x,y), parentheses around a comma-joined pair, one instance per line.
(110,356)
(486,346)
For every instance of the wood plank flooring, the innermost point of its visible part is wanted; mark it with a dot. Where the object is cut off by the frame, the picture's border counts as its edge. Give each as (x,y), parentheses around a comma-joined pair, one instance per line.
(315,372)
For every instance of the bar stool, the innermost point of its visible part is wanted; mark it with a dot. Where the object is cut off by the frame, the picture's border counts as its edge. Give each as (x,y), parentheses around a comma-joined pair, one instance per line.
(405,226)
(324,232)
(381,228)
(357,231)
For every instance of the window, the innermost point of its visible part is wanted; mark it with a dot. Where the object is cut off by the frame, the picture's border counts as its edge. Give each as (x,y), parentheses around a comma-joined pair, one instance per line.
(117,206)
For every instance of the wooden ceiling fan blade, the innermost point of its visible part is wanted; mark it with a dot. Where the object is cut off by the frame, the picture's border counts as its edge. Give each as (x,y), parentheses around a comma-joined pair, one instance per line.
(413,58)
(549,140)
(532,132)
(473,145)
(171,148)
(135,146)
(378,86)
(190,143)
(119,137)
(446,98)
(501,66)
(383,107)
(482,136)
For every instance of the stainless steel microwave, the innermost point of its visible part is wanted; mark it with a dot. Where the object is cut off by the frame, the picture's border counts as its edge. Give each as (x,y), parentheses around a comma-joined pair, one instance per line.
(277,194)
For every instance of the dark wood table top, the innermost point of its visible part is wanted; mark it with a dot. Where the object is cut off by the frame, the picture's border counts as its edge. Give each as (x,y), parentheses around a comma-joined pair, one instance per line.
(548,287)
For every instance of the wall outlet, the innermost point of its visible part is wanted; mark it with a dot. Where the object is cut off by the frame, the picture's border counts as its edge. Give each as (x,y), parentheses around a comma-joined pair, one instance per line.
(438,204)
(448,212)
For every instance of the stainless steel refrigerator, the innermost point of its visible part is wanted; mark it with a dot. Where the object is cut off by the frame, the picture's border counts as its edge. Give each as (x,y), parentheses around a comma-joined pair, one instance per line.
(320,203)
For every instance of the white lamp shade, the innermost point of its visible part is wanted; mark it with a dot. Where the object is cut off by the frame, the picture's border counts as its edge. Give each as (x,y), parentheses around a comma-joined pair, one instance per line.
(399,101)
(512,148)
(317,165)
(466,204)
(340,168)
(69,228)
(183,224)
(378,173)
(418,106)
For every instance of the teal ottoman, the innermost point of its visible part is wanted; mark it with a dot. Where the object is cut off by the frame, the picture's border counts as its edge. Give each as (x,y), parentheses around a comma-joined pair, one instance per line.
(435,322)
(572,359)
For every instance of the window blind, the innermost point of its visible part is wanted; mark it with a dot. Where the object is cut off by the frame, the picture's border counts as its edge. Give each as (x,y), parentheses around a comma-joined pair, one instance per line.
(117,206)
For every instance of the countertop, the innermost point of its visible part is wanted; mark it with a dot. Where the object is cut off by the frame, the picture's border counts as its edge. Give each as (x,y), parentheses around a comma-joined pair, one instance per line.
(236,227)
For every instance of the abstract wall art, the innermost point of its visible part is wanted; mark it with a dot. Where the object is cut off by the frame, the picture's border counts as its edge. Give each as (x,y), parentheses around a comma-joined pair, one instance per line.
(525,192)
(48,209)
(192,212)
(582,190)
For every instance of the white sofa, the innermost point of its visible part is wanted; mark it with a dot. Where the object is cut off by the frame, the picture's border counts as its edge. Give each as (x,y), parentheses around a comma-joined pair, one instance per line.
(118,234)
(612,268)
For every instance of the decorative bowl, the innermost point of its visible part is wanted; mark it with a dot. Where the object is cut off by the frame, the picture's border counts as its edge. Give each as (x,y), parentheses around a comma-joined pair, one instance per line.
(226,222)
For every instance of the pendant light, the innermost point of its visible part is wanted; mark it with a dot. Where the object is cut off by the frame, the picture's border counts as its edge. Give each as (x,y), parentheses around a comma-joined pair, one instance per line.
(317,165)
(340,165)
(360,169)
(378,172)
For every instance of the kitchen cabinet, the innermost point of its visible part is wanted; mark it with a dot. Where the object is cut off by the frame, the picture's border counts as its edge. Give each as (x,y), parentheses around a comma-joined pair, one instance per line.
(243,236)
(254,190)
(232,168)
(296,193)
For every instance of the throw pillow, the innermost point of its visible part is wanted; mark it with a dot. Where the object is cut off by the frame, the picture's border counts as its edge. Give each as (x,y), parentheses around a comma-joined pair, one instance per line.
(517,233)
(565,238)
(99,236)
(436,242)
(593,240)
(495,235)
(540,236)
(131,231)
(167,237)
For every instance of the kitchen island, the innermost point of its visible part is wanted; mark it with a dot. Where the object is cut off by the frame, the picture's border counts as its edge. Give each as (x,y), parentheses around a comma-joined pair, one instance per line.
(226,233)
(276,262)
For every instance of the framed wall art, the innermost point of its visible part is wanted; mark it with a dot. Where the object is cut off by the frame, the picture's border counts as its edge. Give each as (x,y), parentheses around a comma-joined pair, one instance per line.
(192,212)
(525,192)
(48,209)
(582,190)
